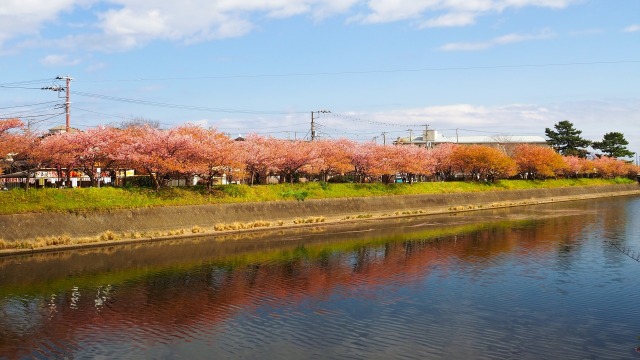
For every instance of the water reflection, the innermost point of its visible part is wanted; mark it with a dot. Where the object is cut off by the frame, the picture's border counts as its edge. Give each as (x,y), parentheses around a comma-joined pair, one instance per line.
(526,283)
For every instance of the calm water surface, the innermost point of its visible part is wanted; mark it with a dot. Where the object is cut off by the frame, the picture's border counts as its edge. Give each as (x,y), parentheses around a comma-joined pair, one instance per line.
(543,282)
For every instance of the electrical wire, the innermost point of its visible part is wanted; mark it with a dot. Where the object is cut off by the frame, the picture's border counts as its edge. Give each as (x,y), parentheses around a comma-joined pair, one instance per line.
(18,114)
(19,106)
(30,82)
(183,107)
(372,122)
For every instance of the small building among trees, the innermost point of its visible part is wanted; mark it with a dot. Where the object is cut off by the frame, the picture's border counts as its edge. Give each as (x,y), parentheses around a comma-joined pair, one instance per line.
(432,138)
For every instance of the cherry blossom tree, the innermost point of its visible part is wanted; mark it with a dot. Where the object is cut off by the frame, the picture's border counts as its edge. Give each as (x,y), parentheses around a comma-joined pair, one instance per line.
(411,161)
(538,161)
(333,157)
(362,158)
(577,166)
(58,151)
(441,160)
(9,141)
(610,167)
(483,162)
(160,153)
(25,154)
(211,153)
(96,148)
(290,156)
(385,162)
(259,158)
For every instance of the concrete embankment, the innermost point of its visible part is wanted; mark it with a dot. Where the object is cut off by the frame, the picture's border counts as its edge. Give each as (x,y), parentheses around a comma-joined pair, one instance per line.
(82,224)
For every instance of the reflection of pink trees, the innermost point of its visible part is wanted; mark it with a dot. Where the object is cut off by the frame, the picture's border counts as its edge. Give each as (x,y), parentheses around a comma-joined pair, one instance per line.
(191,293)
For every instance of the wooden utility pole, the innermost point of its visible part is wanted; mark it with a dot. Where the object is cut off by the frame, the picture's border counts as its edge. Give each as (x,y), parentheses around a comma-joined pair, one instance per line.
(313,124)
(67,102)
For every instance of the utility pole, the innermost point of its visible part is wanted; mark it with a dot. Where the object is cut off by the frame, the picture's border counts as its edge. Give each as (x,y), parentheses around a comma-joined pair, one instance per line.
(313,124)
(67,103)
(384,138)
(410,136)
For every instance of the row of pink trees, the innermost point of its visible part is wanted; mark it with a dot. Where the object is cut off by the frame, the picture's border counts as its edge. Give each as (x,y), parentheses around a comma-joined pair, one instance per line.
(188,151)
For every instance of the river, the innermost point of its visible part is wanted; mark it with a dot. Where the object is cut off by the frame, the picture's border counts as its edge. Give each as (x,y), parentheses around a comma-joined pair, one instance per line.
(556,281)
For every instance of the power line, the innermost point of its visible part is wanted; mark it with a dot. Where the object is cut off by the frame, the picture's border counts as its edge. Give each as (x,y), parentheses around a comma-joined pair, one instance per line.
(36,116)
(28,82)
(20,87)
(372,122)
(366,72)
(103,114)
(184,107)
(18,114)
(19,106)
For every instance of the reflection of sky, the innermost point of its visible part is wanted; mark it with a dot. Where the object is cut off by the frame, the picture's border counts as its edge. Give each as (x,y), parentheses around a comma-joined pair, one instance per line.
(553,289)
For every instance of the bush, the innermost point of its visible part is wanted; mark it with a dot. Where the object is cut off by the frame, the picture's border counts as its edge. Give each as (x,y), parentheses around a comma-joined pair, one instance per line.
(236,191)
(143,181)
(299,195)
(341,179)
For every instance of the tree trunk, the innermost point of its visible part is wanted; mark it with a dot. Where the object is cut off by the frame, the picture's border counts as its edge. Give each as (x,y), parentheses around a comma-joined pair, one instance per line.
(26,185)
(154,180)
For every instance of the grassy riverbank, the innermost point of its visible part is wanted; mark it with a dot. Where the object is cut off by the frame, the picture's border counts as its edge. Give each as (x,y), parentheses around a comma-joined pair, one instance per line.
(91,199)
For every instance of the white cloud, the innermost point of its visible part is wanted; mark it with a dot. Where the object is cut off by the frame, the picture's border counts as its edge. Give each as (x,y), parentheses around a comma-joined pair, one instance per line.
(199,122)
(440,13)
(59,60)
(136,22)
(450,19)
(501,40)
(125,24)
(96,67)
(632,28)
(20,17)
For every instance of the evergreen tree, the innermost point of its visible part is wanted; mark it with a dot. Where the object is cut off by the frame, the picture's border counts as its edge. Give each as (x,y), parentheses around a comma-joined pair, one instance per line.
(613,145)
(567,140)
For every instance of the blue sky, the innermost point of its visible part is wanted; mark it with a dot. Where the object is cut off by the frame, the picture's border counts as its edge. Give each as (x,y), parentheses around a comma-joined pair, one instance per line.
(249,66)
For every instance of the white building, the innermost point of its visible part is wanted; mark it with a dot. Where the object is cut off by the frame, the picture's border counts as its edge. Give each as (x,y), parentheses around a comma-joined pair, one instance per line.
(433,138)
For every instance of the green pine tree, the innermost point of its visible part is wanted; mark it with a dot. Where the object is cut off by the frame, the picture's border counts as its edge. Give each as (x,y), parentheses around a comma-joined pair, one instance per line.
(613,145)
(567,140)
